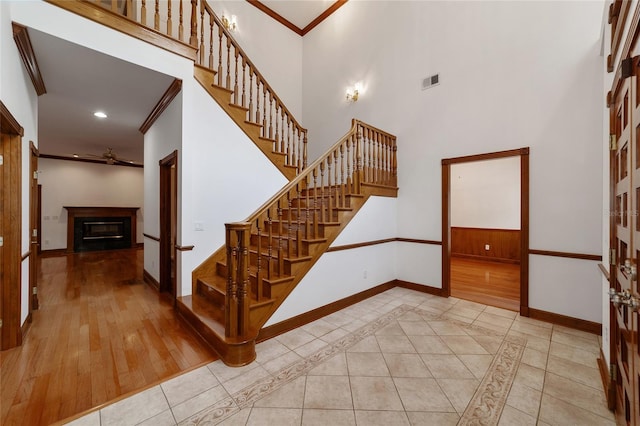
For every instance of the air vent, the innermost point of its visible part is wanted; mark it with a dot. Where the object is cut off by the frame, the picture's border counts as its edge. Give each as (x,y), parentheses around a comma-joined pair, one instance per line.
(430,81)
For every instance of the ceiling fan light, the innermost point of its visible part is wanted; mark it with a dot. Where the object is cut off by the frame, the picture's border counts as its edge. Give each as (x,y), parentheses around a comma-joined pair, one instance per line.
(100,114)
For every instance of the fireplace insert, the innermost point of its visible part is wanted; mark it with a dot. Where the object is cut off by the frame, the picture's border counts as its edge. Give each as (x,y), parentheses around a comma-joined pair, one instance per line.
(101,233)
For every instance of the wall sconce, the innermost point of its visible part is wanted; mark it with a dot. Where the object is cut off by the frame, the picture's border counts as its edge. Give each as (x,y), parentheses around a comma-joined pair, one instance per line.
(354,92)
(230,25)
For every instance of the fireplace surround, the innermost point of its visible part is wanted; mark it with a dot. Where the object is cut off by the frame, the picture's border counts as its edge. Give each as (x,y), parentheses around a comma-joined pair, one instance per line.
(100,228)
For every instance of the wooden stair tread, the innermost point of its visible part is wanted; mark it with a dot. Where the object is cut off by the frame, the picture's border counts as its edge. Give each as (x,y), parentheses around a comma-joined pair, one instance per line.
(222,88)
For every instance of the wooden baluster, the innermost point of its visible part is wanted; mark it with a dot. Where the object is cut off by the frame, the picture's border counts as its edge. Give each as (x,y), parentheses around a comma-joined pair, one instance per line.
(211,22)
(270,115)
(114,6)
(258,98)
(270,247)
(235,84)
(307,217)
(298,222)
(244,83)
(169,21)
(358,173)
(315,203)
(379,140)
(231,301)
(280,254)
(201,56)
(143,12)
(321,188)
(371,161)
(290,153)
(289,230)
(180,23)
(264,110)
(282,131)
(329,191)
(277,134)
(337,182)
(343,184)
(304,151)
(156,16)
(387,157)
(130,9)
(298,150)
(259,263)
(228,79)
(193,38)
(349,176)
(394,180)
(220,56)
(250,93)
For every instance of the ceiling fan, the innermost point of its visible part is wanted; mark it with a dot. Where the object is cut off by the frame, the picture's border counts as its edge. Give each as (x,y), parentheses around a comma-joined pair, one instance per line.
(110,157)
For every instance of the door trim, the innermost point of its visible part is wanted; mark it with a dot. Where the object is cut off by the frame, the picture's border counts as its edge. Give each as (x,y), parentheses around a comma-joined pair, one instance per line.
(168,166)
(11,134)
(33,226)
(523,153)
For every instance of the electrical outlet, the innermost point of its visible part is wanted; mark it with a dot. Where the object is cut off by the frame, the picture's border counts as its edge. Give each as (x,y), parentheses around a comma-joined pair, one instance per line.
(487,247)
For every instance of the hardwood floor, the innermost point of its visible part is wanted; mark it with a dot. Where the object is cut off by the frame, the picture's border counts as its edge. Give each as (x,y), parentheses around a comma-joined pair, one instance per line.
(489,283)
(100,333)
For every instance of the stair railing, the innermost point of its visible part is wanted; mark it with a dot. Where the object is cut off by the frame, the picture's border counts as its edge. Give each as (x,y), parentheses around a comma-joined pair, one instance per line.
(363,156)
(219,51)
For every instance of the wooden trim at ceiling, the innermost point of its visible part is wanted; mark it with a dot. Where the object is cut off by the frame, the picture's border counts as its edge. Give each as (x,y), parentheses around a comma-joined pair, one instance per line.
(87,160)
(293,27)
(582,256)
(162,104)
(23,41)
(275,15)
(324,15)
(566,321)
(151,237)
(103,16)
(8,123)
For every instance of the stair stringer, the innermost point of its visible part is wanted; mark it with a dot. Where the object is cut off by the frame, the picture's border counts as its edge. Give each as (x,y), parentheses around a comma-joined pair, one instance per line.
(238,114)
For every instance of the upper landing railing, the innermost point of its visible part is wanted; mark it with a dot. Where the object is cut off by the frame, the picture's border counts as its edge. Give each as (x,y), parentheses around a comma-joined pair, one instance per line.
(192,29)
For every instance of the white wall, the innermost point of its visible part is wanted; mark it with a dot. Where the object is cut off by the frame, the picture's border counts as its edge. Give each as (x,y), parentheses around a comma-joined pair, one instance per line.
(513,74)
(486,194)
(18,95)
(274,49)
(79,184)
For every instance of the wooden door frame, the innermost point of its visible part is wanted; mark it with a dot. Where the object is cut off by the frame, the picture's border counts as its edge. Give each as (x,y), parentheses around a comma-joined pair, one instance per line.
(523,153)
(34,245)
(168,165)
(11,221)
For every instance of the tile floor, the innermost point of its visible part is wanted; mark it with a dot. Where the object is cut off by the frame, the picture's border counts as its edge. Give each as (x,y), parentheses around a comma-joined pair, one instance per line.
(398,358)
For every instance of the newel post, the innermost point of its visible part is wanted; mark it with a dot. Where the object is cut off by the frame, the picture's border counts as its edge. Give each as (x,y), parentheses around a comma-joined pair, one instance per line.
(237,302)
(193,39)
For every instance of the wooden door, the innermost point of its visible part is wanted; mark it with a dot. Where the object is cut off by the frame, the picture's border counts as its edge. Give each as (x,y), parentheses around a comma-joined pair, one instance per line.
(168,222)
(625,160)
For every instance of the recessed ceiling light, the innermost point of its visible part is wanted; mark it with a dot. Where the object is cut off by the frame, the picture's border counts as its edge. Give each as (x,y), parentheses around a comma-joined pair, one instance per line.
(100,114)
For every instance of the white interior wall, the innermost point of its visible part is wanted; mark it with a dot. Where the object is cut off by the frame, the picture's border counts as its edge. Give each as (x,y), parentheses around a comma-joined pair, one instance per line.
(274,49)
(164,137)
(513,74)
(486,194)
(80,184)
(19,96)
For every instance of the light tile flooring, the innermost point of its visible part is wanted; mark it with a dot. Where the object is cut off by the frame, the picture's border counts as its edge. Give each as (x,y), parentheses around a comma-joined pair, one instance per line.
(398,358)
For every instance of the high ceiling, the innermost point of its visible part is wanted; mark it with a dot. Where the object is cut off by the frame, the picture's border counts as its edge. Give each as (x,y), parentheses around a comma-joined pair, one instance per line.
(80,81)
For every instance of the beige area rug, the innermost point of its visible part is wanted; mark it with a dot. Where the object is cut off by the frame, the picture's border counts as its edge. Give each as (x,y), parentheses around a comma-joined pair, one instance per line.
(484,408)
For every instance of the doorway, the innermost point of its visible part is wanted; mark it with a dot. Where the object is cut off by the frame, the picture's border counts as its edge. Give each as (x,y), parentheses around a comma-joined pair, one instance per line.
(168,222)
(34,227)
(482,261)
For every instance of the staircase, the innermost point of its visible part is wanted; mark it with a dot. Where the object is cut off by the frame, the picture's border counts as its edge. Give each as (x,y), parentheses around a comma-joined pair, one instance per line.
(237,289)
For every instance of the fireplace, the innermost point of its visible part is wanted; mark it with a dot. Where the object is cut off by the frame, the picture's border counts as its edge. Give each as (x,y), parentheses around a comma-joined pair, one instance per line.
(100,228)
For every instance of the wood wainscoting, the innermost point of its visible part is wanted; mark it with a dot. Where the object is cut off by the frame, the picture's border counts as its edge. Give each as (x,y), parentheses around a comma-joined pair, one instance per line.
(504,244)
